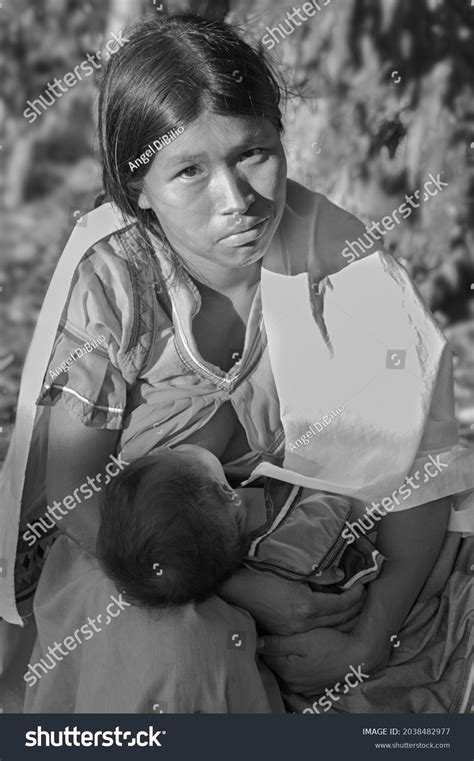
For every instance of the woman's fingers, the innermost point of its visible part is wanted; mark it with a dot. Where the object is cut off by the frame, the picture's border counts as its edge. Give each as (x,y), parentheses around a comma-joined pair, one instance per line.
(277,646)
(347,626)
(331,610)
(332,603)
(337,619)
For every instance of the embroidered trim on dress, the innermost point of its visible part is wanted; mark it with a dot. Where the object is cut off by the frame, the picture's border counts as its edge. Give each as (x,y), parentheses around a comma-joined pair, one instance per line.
(84,399)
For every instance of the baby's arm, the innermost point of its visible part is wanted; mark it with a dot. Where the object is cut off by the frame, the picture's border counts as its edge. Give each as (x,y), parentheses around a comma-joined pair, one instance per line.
(411,541)
(77,453)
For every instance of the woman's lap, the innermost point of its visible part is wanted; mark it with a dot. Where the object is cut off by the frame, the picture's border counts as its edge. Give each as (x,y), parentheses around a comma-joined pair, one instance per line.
(199,658)
(202,658)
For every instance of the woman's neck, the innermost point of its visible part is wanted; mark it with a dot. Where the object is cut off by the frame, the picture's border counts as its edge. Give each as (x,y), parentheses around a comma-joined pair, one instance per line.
(226,279)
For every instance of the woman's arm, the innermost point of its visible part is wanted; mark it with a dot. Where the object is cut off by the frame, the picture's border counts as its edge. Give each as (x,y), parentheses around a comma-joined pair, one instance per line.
(411,541)
(311,660)
(76,455)
(286,607)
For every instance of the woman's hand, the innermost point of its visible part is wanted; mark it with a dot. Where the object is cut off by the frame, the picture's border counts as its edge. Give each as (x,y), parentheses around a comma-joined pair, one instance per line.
(287,607)
(309,662)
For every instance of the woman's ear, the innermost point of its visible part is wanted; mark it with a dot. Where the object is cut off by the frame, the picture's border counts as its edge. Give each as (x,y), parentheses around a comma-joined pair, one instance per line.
(143,201)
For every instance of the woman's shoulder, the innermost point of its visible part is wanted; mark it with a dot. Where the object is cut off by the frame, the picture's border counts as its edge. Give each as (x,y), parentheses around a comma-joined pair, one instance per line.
(107,260)
(105,245)
(315,233)
(106,277)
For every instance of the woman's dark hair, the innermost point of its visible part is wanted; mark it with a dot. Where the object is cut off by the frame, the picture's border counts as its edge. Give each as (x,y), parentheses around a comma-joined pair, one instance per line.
(178,523)
(167,73)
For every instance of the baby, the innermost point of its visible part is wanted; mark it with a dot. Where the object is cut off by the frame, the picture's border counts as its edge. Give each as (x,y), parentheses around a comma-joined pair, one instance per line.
(173,530)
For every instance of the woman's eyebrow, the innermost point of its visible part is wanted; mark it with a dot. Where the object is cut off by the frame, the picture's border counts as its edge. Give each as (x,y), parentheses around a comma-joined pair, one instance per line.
(185,158)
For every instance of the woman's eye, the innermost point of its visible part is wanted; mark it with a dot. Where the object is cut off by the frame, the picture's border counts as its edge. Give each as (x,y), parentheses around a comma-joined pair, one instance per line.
(253,152)
(189,172)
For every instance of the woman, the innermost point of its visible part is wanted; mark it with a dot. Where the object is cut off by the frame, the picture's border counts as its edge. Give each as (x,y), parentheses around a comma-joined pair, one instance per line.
(166,294)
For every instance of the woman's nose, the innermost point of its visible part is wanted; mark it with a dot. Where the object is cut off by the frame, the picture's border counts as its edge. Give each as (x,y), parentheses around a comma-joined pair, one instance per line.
(235,199)
(243,206)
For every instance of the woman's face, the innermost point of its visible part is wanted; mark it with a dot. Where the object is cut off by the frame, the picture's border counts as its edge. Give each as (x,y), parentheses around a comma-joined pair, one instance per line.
(218,190)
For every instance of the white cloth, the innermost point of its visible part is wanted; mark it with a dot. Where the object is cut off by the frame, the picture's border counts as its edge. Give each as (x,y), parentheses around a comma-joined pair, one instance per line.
(366,403)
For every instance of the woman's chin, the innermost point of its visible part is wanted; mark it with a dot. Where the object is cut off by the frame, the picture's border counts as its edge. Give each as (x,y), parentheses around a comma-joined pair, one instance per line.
(243,256)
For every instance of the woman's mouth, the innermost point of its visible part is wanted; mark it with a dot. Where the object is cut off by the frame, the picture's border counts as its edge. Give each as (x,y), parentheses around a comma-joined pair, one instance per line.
(242,235)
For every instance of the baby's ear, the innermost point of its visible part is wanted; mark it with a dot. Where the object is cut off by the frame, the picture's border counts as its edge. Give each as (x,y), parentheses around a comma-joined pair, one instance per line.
(224,491)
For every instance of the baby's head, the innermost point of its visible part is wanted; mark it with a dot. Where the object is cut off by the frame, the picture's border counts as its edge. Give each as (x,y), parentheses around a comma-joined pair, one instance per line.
(172,529)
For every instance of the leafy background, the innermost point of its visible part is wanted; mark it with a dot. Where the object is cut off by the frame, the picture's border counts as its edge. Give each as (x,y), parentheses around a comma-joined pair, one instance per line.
(380,95)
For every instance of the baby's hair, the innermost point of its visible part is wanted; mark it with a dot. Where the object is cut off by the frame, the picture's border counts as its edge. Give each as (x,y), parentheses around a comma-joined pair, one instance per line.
(165,537)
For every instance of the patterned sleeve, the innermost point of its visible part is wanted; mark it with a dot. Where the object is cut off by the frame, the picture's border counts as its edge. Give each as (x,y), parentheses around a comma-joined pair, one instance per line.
(87,371)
